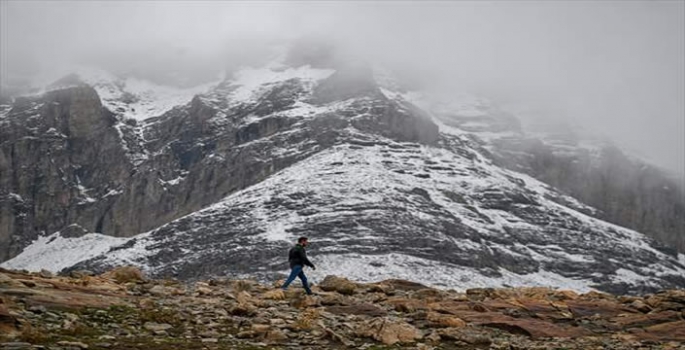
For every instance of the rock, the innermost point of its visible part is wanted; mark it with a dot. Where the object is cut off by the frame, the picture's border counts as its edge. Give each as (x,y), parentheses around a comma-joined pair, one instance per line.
(332,299)
(243,297)
(209,340)
(159,290)
(73,344)
(124,274)
(5,314)
(305,301)
(334,335)
(404,285)
(428,294)
(389,331)
(277,322)
(672,331)
(602,306)
(479,293)
(274,294)
(466,335)
(245,334)
(380,288)
(146,303)
(439,320)
(407,305)
(275,335)
(46,273)
(242,310)
(479,307)
(638,320)
(15,346)
(357,309)
(376,297)
(27,283)
(202,290)
(81,273)
(155,327)
(641,306)
(421,346)
(338,284)
(307,319)
(39,309)
(667,300)
(530,327)
(9,282)
(260,328)
(566,295)
(434,337)
(398,332)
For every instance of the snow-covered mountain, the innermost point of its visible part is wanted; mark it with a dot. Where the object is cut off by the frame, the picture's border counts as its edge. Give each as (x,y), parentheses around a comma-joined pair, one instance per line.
(220,179)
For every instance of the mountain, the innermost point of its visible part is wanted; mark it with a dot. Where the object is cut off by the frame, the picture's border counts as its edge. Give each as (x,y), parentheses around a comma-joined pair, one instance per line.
(387,181)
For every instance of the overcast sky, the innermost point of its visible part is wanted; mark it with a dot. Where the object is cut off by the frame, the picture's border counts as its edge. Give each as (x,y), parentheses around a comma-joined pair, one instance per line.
(616,67)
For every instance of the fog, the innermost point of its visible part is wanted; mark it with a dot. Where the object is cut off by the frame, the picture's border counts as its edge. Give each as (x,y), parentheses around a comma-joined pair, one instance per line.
(615,67)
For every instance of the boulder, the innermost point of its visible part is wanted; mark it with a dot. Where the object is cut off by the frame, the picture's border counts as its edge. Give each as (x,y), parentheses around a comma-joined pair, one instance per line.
(388,331)
(274,294)
(157,327)
(338,284)
(125,274)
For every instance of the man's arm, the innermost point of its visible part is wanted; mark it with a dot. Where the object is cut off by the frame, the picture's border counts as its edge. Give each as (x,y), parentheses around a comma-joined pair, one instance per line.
(305,260)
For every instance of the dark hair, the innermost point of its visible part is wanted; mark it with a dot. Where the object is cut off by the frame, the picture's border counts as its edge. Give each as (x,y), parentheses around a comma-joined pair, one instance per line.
(302,239)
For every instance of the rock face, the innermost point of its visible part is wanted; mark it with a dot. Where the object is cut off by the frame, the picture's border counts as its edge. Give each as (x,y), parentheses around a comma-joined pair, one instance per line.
(626,191)
(58,152)
(221,182)
(99,312)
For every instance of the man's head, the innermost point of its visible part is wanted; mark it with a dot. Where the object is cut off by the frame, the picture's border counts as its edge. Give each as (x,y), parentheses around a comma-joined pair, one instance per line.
(303,241)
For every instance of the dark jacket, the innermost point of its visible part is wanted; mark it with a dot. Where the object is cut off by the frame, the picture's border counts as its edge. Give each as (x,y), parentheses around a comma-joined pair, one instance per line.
(298,256)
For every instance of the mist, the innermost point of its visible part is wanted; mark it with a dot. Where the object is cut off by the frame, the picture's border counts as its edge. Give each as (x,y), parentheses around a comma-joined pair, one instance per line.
(616,68)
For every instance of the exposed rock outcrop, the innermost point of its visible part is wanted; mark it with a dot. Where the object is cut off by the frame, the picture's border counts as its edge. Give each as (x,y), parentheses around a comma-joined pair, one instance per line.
(96,312)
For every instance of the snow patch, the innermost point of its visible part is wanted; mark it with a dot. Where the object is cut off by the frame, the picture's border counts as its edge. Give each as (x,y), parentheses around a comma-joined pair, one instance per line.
(16,197)
(249,81)
(55,252)
(130,97)
(373,268)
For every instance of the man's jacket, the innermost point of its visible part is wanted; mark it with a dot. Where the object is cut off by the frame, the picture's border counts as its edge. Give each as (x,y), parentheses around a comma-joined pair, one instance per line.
(298,256)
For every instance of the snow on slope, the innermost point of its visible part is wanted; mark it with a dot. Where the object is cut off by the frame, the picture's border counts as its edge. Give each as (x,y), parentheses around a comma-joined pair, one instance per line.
(55,252)
(131,97)
(373,268)
(366,184)
(248,81)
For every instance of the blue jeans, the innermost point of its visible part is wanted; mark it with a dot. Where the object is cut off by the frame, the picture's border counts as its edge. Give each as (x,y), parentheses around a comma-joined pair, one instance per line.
(297,271)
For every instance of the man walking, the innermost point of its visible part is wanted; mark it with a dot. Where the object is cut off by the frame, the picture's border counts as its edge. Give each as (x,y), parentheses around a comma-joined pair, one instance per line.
(297,257)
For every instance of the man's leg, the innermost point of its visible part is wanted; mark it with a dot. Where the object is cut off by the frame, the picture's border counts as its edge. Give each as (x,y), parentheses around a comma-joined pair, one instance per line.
(296,270)
(303,278)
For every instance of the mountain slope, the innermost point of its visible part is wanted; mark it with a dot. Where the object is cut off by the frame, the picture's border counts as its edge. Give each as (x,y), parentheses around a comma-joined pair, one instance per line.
(382,183)
(385,204)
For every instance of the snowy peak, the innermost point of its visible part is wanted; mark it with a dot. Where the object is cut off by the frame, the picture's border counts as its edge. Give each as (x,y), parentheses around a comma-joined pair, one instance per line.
(130,97)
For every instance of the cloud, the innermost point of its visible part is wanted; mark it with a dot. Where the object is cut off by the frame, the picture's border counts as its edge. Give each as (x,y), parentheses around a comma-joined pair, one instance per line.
(615,67)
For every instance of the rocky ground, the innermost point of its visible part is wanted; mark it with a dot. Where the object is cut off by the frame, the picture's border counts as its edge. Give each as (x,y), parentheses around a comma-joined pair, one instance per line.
(121,309)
